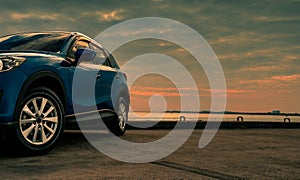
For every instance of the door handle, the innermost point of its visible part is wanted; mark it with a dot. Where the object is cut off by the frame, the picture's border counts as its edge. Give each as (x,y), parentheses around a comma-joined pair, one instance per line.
(117,77)
(98,76)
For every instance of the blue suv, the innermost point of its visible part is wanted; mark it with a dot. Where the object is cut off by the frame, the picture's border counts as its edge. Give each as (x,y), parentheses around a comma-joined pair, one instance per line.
(37,93)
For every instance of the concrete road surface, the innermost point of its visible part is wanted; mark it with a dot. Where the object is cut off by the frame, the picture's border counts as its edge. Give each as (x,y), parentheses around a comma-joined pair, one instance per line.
(233,154)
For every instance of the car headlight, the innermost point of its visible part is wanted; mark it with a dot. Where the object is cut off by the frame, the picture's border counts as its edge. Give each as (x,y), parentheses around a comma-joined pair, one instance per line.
(10,62)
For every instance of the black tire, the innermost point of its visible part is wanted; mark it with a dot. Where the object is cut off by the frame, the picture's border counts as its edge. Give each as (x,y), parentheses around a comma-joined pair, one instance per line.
(118,124)
(40,119)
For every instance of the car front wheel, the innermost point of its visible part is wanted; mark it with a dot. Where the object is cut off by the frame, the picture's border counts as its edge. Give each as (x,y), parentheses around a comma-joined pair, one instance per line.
(41,121)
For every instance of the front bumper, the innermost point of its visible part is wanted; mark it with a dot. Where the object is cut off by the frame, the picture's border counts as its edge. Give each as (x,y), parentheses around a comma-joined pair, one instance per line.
(11,83)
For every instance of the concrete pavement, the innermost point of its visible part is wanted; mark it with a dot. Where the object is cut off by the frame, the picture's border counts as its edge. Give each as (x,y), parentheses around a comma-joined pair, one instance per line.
(233,154)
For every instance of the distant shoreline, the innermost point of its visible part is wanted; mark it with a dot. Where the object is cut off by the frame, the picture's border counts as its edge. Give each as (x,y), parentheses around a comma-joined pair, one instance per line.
(228,112)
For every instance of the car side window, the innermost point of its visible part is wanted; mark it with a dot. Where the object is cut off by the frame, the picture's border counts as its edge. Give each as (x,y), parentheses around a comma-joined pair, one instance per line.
(113,61)
(77,45)
(101,57)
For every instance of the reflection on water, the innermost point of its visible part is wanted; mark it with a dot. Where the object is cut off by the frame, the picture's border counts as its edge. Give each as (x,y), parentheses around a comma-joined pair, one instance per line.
(156,116)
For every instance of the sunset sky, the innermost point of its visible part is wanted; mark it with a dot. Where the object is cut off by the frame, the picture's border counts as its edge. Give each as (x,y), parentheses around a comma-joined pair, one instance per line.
(257,43)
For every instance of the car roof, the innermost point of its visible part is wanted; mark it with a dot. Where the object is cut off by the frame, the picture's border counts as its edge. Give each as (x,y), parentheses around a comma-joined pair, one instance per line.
(72,34)
(50,32)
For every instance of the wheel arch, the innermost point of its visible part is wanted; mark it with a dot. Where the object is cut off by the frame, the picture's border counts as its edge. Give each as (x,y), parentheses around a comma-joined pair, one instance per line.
(47,79)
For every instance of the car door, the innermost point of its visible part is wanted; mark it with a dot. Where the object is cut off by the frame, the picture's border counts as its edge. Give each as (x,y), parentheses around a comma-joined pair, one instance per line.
(84,99)
(105,78)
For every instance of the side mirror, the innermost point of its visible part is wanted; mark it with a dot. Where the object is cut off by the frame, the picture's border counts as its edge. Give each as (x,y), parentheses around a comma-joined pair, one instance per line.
(85,55)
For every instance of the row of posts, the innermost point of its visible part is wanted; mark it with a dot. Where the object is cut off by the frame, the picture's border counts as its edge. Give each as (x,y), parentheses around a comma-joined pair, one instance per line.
(241,118)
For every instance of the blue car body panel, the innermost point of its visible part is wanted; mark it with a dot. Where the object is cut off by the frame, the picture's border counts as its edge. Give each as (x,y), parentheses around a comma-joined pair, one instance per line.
(10,86)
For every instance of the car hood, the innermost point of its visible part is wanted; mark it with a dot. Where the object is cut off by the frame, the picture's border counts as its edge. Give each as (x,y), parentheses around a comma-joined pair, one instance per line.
(32,54)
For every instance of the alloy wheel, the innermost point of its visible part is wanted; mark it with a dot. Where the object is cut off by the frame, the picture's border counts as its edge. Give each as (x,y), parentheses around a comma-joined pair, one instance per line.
(122,115)
(38,120)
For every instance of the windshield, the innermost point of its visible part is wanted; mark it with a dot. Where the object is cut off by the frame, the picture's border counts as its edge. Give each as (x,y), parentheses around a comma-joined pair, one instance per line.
(51,42)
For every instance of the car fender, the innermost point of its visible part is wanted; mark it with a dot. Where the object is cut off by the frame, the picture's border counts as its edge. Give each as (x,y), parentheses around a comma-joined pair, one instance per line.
(32,79)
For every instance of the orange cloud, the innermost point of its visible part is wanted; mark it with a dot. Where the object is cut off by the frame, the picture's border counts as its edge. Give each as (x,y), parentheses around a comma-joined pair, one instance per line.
(291,57)
(23,16)
(287,78)
(228,91)
(149,88)
(111,16)
(276,19)
(148,93)
(162,44)
(262,68)
(256,81)
(173,92)
(238,91)
(237,38)
(163,91)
